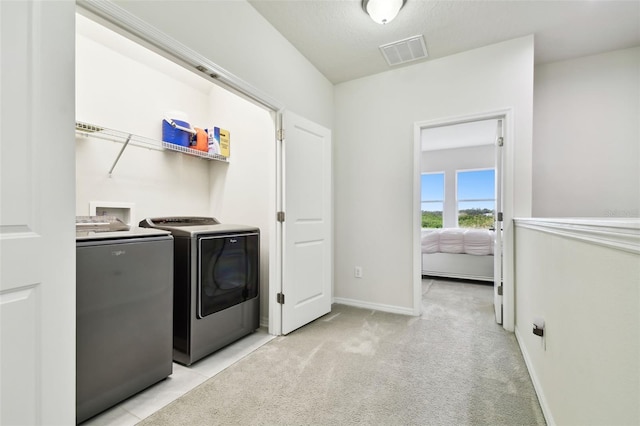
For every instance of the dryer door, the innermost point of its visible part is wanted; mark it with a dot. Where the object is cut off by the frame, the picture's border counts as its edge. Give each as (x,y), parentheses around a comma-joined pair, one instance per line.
(228,271)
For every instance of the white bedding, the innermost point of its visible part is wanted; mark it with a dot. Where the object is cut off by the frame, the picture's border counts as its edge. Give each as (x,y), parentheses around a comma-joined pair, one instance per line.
(477,242)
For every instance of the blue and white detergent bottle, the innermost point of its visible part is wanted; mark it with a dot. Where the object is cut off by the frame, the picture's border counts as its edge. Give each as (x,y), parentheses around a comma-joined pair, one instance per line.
(214,140)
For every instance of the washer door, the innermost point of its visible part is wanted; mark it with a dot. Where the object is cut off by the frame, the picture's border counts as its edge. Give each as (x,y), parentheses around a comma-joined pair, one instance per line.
(228,268)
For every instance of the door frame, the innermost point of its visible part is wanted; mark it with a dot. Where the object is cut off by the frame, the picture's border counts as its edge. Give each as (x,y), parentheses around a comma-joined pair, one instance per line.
(120,20)
(506,114)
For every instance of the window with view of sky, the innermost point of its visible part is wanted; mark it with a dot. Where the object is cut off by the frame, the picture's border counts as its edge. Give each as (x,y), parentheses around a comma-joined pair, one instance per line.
(476,196)
(432,199)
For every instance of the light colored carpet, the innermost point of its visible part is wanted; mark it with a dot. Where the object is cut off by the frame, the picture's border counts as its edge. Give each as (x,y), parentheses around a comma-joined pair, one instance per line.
(451,366)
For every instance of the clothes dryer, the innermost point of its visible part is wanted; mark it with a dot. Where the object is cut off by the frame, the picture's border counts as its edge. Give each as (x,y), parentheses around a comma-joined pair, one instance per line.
(216,283)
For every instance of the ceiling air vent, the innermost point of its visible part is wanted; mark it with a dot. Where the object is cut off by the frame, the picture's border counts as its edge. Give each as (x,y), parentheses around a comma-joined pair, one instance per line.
(407,50)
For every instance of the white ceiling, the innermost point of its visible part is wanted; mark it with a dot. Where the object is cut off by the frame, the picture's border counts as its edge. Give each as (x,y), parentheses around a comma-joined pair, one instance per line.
(340,39)
(473,133)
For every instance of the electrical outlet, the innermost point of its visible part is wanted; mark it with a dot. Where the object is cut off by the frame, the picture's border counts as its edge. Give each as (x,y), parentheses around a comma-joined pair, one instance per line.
(357,272)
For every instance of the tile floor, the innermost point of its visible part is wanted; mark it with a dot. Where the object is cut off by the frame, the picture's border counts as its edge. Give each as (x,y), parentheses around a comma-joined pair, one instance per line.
(183,379)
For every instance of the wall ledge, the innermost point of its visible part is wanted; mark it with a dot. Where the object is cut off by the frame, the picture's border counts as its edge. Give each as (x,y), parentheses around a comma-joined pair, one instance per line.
(617,233)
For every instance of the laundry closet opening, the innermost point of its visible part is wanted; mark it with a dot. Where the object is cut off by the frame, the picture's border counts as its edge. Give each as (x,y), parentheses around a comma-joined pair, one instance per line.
(124,86)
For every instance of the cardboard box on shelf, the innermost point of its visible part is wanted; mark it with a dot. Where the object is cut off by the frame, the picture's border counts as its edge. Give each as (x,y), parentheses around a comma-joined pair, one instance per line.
(219,141)
(225,143)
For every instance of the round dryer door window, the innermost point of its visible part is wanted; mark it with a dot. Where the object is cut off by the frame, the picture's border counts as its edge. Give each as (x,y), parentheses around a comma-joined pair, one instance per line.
(228,268)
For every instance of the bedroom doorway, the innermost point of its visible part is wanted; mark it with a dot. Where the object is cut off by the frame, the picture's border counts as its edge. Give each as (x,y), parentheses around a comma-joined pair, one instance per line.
(458,201)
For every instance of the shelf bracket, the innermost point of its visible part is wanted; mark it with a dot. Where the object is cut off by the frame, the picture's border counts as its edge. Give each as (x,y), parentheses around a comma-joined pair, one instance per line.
(119,154)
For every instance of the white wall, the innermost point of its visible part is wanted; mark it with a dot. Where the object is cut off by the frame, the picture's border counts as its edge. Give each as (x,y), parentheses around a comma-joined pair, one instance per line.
(450,161)
(586,369)
(117,88)
(233,35)
(586,150)
(373,160)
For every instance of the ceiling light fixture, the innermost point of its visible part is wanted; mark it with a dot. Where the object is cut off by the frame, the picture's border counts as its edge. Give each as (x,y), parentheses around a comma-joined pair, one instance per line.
(382,11)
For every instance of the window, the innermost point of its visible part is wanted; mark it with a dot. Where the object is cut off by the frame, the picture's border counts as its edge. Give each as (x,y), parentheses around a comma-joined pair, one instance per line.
(432,199)
(476,198)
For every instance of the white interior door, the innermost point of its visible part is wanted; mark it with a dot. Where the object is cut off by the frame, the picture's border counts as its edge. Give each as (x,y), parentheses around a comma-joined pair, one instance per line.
(497,248)
(37,235)
(306,230)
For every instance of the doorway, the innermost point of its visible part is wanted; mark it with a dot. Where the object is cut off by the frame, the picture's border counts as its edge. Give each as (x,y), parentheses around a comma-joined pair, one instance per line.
(269,186)
(122,85)
(464,146)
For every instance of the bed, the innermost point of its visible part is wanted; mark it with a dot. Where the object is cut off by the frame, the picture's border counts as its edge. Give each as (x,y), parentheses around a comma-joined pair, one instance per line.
(458,253)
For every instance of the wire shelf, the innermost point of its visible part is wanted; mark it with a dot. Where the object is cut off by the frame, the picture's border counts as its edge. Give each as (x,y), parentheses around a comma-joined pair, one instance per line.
(194,152)
(94,131)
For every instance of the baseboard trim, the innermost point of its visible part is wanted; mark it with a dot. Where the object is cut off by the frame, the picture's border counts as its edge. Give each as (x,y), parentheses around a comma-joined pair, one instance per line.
(375,306)
(546,411)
